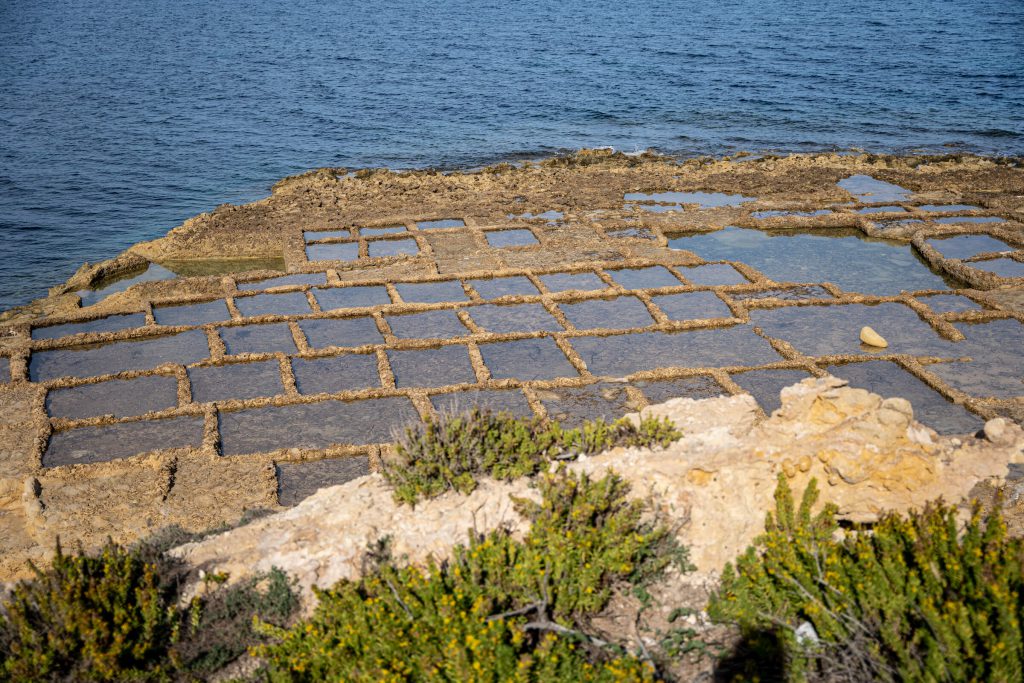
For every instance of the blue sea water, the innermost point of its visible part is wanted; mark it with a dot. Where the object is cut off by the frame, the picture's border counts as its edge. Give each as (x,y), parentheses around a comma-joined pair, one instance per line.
(119,119)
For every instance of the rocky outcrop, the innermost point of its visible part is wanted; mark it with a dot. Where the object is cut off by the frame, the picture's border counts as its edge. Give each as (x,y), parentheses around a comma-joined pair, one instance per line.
(715,484)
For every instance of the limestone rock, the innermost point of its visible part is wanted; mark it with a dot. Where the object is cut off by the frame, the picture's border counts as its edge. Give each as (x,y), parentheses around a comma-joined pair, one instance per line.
(872,338)
(715,484)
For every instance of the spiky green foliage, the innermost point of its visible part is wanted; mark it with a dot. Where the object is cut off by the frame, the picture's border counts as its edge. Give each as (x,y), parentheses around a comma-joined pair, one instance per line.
(219,627)
(917,598)
(499,610)
(91,618)
(115,616)
(454,452)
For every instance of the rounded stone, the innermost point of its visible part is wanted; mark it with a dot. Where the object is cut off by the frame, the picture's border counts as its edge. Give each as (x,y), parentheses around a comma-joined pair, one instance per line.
(872,338)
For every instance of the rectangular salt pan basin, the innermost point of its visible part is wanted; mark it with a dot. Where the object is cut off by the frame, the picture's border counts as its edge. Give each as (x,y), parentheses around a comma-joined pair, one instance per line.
(332,252)
(192,314)
(112,442)
(290,303)
(866,188)
(431,292)
(389,230)
(236,381)
(692,306)
(432,367)
(120,398)
(825,330)
(297,279)
(351,297)
(112,323)
(644,278)
(621,313)
(571,406)
(383,248)
(297,481)
(966,246)
(521,318)
(563,282)
(273,338)
(314,235)
(510,238)
(427,325)
(314,425)
(504,286)
(527,359)
(180,349)
(625,354)
(497,401)
(344,332)
(1003,267)
(332,375)
(443,223)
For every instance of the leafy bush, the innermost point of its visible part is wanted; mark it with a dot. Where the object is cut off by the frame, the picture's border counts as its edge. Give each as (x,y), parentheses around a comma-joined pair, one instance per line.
(114,616)
(499,610)
(220,627)
(914,598)
(452,453)
(102,618)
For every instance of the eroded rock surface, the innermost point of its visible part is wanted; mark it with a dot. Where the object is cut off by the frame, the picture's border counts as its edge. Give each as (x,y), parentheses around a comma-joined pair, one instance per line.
(716,483)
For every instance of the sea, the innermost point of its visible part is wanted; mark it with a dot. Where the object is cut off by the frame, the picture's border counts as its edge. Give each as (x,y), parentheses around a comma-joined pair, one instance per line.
(121,118)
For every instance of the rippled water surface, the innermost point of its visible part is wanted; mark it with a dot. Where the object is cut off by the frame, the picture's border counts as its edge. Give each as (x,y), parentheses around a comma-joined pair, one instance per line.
(120,119)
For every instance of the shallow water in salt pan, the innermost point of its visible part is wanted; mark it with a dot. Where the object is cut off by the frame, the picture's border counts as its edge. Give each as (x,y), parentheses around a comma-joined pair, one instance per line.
(314,425)
(500,400)
(297,481)
(120,398)
(843,257)
(122,440)
(572,406)
(235,381)
(88,361)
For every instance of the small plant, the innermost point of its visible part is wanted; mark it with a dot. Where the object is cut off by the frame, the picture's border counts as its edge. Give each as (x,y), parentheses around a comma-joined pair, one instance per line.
(99,618)
(453,453)
(499,610)
(914,598)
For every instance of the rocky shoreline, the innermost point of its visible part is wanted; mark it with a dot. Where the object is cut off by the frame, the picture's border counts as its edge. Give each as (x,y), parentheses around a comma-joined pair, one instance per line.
(259,352)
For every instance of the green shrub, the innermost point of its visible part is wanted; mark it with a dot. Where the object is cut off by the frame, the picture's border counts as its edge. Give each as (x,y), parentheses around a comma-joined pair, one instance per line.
(101,618)
(114,616)
(219,627)
(914,598)
(452,453)
(499,610)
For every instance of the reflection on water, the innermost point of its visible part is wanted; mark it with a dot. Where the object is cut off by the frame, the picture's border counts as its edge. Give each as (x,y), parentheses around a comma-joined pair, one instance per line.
(866,189)
(844,257)
(120,283)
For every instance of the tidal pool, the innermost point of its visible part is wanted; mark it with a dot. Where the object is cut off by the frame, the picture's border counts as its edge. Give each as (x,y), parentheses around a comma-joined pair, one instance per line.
(844,257)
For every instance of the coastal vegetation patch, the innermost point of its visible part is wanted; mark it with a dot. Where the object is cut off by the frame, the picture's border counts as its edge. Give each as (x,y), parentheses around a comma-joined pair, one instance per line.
(453,452)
